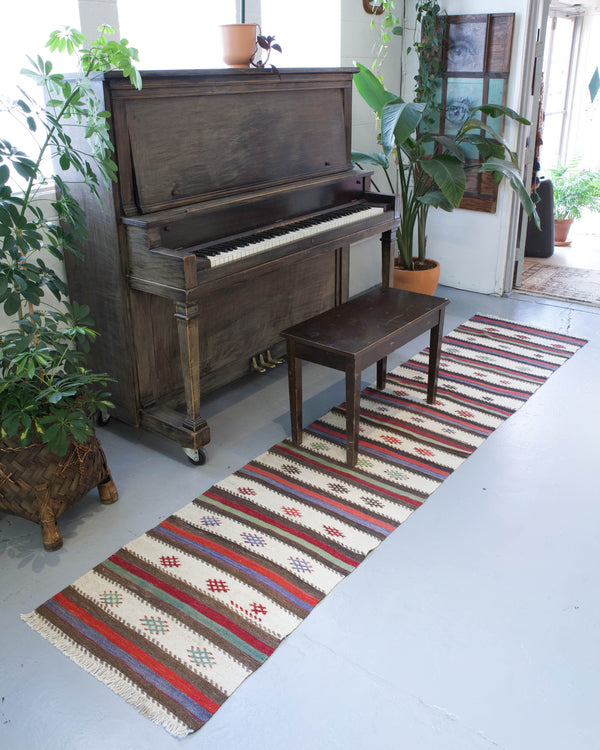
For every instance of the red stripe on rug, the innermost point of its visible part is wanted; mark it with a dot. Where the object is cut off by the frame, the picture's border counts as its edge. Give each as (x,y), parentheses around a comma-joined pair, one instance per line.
(366,444)
(377,417)
(289,451)
(216,617)
(540,332)
(323,498)
(183,685)
(312,600)
(284,527)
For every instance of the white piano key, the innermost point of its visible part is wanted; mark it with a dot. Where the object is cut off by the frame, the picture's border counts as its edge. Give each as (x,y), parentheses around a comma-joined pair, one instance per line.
(293,235)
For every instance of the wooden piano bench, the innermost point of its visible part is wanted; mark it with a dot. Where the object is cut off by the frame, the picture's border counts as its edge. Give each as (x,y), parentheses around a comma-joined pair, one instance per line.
(354,336)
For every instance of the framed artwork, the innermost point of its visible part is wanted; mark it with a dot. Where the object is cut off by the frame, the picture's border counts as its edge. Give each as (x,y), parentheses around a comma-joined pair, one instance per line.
(477,64)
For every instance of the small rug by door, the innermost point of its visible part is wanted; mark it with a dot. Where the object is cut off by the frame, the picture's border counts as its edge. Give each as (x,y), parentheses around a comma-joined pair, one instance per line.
(177,619)
(576,284)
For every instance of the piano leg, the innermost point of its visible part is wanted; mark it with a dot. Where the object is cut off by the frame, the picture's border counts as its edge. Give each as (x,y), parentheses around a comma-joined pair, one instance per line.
(188,327)
(295,388)
(387,260)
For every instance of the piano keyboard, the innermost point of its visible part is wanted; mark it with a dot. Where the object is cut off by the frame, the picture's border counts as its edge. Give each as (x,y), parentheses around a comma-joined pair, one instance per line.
(226,252)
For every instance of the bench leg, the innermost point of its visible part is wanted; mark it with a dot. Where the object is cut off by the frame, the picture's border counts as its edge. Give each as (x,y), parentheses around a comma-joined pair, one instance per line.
(435,349)
(381,373)
(352,412)
(295,386)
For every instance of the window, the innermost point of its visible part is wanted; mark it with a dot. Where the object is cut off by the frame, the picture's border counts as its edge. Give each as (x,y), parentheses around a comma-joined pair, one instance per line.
(27,27)
(176,34)
(308,32)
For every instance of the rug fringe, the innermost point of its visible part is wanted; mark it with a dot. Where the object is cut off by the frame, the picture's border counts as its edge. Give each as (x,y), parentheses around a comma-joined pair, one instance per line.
(101,671)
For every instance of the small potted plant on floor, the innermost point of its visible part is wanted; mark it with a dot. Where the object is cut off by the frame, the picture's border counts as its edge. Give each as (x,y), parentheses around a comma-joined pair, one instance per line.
(575,190)
(429,170)
(49,455)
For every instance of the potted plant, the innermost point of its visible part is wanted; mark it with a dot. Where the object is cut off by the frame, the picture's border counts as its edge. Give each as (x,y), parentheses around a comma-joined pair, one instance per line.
(49,455)
(239,41)
(575,190)
(425,169)
(268,44)
(389,24)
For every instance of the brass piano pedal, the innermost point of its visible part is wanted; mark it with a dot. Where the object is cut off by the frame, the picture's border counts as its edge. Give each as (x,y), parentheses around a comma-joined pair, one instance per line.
(255,367)
(273,360)
(265,363)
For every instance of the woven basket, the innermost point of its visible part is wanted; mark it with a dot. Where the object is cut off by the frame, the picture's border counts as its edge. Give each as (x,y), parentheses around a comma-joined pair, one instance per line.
(38,485)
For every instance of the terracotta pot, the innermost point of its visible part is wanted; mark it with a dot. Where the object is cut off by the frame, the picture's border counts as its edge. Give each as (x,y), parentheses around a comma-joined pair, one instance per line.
(239,44)
(422,280)
(561,231)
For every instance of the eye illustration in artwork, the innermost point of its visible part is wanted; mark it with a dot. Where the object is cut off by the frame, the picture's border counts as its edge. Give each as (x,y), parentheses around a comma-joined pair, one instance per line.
(466,46)
(457,111)
(462,55)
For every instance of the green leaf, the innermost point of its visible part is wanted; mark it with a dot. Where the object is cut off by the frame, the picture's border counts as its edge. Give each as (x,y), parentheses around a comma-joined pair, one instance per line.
(474,124)
(398,121)
(485,146)
(4,174)
(448,174)
(24,106)
(436,199)
(507,169)
(498,110)
(377,159)
(371,89)
(11,304)
(60,443)
(25,168)
(450,145)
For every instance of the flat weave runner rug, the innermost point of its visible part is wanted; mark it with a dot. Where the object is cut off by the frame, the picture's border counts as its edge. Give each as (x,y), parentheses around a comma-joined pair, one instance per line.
(177,619)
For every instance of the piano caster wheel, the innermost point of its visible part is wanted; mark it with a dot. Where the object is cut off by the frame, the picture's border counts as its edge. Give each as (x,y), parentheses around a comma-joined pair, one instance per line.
(101,418)
(197,457)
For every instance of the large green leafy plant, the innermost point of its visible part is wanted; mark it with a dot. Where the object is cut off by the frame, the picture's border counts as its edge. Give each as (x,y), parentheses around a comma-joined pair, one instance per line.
(424,169)
(575,189)
(46,393)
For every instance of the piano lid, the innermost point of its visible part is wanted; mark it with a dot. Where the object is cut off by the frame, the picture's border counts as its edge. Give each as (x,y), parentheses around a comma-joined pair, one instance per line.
(192,136)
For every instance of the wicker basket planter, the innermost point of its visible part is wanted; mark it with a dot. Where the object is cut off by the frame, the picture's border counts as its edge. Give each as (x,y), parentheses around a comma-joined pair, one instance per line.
(39,485)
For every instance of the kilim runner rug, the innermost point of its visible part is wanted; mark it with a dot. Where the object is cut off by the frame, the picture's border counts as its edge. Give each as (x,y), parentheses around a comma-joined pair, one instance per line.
(177,619)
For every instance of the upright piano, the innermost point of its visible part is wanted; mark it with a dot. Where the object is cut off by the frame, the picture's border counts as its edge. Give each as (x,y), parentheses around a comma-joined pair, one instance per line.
(232,220)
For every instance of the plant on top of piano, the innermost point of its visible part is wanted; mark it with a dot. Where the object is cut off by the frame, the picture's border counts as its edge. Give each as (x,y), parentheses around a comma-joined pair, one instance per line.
(426,169)
(266,43)
(47,395)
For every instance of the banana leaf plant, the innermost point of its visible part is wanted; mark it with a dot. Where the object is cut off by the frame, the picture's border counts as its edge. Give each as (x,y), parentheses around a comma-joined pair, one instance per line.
(428,170)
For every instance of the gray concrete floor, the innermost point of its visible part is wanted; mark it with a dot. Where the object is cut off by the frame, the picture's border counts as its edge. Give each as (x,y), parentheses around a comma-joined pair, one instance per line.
(474,626)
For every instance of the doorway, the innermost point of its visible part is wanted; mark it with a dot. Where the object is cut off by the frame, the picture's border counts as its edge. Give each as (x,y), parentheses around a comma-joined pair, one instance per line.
(567,136)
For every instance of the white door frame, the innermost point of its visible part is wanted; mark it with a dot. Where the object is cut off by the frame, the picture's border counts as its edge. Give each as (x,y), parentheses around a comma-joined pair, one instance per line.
(529,104)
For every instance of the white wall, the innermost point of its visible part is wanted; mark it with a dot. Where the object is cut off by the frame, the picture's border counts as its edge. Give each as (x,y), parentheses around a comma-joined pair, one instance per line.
(93,13)
(359,45)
